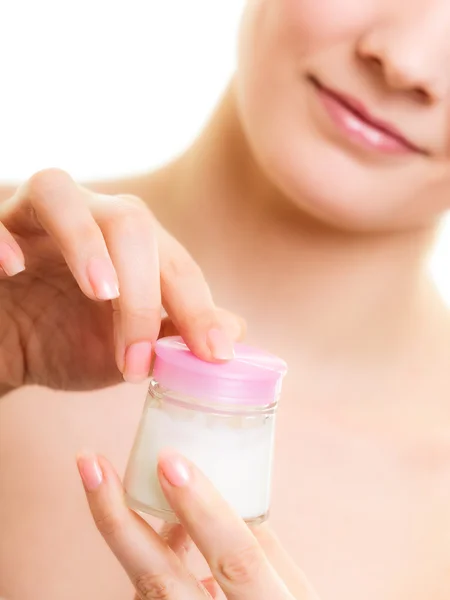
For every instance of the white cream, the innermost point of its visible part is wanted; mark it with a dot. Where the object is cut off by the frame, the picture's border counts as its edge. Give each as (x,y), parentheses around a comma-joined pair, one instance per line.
(234,452)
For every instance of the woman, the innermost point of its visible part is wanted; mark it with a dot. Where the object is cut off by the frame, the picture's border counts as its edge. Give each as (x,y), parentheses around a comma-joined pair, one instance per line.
(309,202)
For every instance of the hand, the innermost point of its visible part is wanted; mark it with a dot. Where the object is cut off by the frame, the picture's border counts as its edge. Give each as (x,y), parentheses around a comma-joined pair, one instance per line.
(244,565)
(74,250)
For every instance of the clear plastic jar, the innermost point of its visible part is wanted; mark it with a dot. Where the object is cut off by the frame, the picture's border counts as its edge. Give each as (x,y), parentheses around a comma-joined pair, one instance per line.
(220,416)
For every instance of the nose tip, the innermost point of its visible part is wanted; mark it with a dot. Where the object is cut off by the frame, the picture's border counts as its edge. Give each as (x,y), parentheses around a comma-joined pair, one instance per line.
(403,68)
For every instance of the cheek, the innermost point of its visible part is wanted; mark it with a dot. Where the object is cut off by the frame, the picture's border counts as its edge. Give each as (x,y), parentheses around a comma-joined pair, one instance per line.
(312,25)
(278,36)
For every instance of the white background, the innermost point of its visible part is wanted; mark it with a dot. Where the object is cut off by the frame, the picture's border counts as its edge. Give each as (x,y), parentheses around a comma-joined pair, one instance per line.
(104,88)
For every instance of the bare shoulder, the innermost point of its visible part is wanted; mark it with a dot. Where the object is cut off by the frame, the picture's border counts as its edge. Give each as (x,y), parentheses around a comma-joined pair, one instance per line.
(153,187)
(134,184)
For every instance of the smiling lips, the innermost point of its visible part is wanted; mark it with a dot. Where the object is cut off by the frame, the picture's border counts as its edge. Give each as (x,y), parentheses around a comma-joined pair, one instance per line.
(352,118)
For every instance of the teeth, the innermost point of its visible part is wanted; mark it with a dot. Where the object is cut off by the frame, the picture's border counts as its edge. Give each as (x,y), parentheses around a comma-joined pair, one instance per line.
(355,124)
(374,136)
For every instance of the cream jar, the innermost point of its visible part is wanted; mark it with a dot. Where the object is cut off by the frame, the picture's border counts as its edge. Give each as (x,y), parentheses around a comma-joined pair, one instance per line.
(221,416)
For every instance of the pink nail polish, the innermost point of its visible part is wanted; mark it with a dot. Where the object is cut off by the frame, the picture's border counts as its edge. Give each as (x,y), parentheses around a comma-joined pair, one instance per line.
(175,469)
(137,362)
(90,472)
(210,586)
(103,278)
(11,263)
(220,345)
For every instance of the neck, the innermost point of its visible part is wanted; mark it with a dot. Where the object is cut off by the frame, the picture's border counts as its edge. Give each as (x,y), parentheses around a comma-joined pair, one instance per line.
(331,291)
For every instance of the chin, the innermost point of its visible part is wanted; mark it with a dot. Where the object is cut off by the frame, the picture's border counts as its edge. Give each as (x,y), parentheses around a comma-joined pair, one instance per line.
(336,189)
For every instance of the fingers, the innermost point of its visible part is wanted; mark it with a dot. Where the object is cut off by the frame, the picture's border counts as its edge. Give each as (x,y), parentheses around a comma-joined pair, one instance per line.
(236,560)
(108,243)
(128,227)
(12,260)
(146,257)
(152,566)
(211,587)
(176,537)
(208,331)
(113,243)
(61,207)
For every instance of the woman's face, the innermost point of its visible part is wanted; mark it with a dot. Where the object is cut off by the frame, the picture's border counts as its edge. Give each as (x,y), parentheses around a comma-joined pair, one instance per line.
(346,104)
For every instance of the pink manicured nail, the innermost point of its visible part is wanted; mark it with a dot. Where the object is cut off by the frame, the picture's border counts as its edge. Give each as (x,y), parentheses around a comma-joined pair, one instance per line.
(175,469)
(220,345)
(10,261)
(103,279)
(90,472)
(210,586)
(137,362)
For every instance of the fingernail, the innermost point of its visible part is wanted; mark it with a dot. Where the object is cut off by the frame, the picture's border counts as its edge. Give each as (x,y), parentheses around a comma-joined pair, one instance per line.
(220,345)
(90,472)
(137,362)
(10,261)
(103,278)
(210,586)
(175,469)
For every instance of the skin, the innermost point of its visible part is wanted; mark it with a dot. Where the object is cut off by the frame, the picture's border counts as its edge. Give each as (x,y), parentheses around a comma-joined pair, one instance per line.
(338,235)
(243,563)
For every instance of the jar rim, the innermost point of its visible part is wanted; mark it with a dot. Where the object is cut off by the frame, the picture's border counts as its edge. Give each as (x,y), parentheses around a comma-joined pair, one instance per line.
(216,405)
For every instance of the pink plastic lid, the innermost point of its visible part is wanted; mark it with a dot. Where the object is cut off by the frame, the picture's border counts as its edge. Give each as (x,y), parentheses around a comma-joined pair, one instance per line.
(252,378)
